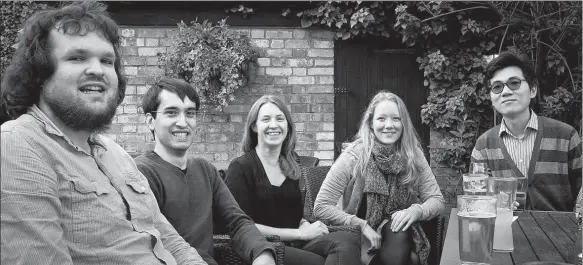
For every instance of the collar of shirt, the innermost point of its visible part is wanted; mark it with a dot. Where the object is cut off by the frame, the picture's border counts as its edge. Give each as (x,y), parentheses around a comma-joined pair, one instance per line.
(532,123)
(94,140)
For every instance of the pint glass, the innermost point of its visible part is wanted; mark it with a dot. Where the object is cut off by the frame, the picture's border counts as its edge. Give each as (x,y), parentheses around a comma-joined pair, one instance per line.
(476,219)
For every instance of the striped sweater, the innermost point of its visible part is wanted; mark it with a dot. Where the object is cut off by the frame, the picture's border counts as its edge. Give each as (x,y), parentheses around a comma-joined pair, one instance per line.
(554,172)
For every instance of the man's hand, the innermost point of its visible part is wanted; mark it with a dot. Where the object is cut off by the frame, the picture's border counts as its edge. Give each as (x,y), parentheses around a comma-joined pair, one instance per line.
(515,205)
(402,219)
(265,258)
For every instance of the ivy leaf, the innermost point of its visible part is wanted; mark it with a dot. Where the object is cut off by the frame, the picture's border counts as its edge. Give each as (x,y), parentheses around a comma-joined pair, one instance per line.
(456,133)
(346,35)
(285,12)
(306,22)
(353,22)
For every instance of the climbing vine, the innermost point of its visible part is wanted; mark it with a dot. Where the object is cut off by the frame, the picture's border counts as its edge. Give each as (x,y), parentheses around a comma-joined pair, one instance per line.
(454,41)
(14,14)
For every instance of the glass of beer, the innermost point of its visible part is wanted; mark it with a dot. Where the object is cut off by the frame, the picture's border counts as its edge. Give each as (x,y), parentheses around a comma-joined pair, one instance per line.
(504,189)
(476,219)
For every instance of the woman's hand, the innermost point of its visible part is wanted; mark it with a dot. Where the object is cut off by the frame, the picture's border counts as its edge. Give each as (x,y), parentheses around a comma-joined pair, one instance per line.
(401,220)
(313,230)
(373,237)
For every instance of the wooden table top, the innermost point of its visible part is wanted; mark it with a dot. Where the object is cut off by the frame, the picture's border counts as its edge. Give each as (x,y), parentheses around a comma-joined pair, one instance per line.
(538,236)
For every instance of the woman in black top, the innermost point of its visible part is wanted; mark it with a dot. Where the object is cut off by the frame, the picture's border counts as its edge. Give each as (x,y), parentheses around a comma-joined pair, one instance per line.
(265,183)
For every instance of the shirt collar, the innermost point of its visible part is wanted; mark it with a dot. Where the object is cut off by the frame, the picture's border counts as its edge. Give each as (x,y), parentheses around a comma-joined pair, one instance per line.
(532,123)
(94,139)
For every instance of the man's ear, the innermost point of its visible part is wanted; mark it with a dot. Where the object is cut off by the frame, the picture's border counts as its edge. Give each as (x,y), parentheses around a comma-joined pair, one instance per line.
(533,91)
(150,121)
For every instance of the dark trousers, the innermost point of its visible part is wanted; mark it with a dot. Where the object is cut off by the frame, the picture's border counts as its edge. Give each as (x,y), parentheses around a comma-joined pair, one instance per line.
(337,248)
(396,248)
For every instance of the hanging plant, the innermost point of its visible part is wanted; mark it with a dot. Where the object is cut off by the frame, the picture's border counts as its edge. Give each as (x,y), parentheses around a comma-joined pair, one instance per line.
(213,58)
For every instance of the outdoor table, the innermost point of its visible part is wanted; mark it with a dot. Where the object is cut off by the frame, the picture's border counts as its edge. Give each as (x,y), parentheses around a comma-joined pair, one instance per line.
(538,236)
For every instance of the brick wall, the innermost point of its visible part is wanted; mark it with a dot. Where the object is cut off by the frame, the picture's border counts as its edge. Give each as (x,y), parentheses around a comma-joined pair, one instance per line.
(297,65)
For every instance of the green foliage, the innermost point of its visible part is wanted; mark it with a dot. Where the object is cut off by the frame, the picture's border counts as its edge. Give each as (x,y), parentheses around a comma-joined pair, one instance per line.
(213,58)
(14,14)
(454,40)
(240,9)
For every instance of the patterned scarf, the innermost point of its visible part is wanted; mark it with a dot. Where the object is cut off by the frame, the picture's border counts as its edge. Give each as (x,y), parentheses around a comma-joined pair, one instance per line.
(385,194)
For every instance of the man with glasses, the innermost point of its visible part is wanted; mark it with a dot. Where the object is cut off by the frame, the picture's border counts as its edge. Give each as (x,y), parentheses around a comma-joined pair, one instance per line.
(189,190)
(545,151)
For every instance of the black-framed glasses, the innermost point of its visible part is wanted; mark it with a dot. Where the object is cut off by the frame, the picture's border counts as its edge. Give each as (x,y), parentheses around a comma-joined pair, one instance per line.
(173,113)
(513,83)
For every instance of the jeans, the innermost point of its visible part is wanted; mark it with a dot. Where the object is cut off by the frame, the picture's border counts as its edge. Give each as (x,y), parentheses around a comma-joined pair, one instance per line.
(337,248)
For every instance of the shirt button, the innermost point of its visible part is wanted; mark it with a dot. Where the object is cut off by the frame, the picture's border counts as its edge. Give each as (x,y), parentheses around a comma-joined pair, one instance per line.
(143,189)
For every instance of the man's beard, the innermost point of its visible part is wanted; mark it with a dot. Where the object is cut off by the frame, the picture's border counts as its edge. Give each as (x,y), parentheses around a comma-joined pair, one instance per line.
(76,115)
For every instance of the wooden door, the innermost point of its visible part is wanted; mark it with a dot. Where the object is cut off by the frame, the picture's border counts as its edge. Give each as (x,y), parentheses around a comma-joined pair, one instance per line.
(361,69)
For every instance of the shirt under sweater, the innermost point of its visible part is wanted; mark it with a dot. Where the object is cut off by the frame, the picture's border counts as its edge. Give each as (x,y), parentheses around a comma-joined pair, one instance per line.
(554,171)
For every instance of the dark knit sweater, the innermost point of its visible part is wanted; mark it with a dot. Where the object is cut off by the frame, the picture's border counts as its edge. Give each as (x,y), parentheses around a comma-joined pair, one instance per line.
(554,173)
(190,201)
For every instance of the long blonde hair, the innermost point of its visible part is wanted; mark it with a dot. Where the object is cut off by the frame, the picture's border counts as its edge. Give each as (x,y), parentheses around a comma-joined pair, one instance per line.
(287,158)
(408,145)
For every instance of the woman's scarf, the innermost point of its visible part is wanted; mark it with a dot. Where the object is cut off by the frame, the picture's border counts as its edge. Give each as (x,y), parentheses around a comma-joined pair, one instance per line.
(385,194)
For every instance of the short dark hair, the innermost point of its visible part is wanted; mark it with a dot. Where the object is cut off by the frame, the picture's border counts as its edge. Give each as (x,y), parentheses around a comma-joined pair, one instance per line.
(511,58)
(151,100)
(32,63)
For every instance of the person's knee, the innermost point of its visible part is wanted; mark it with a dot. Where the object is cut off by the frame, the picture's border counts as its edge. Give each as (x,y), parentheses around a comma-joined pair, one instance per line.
(395,249)
(347,240)
(400,236)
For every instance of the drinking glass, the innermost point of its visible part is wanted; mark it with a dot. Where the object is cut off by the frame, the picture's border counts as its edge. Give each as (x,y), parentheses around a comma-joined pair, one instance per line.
(476,219)
(476,180)
(521,192)
(475,184)
(504,189)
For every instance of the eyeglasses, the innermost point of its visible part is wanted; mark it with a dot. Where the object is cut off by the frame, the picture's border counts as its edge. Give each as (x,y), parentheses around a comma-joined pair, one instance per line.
(513,83)
(172,113)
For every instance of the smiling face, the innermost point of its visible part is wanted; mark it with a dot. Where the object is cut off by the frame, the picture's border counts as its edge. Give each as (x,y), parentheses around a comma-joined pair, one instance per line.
(173,129)
(511,103)
(386,122)
(83,90)
(271,126)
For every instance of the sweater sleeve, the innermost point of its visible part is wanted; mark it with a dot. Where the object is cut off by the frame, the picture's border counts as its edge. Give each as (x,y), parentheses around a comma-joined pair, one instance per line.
(332,188)
(155,183)
(432,202)
(574,156)
(247,240)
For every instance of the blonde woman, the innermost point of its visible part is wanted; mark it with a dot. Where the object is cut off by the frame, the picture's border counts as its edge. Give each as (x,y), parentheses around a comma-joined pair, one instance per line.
(265,183)
(386,186)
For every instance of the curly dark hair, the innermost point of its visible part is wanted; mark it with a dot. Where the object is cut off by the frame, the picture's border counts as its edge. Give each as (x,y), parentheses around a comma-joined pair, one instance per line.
(32,63)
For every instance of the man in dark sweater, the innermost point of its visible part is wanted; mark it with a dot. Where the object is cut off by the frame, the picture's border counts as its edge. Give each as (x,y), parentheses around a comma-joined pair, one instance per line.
(545,151)
(189,191)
